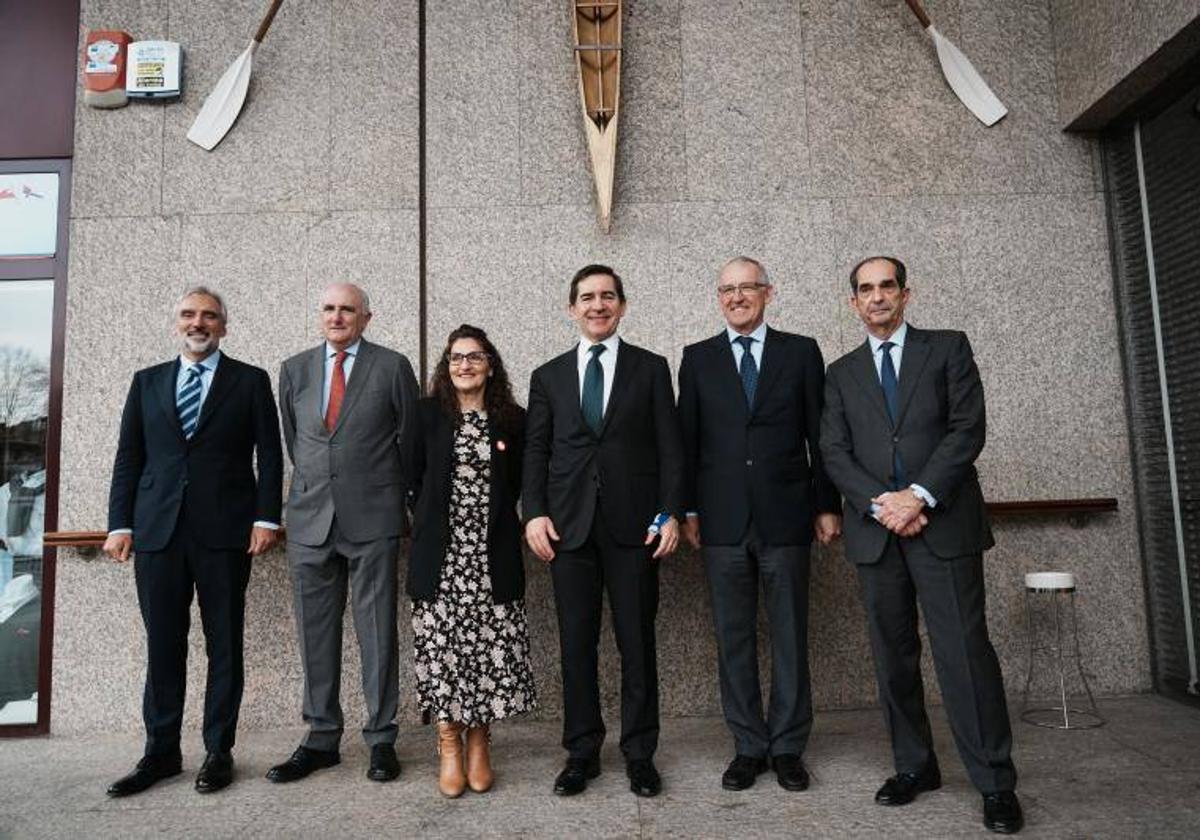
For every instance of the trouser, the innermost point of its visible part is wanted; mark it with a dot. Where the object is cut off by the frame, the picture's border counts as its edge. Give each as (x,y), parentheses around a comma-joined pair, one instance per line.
(951,595)
(165,582)
(630,577)
(735,575)
(321,576)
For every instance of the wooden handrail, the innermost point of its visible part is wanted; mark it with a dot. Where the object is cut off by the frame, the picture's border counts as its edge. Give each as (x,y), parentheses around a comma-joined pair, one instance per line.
(1039,507)
(1049,507)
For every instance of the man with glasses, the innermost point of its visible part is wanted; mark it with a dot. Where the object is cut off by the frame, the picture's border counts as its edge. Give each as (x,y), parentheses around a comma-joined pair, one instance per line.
(750,403)
(349,421)
(904,422)
(603,464)
(185,501)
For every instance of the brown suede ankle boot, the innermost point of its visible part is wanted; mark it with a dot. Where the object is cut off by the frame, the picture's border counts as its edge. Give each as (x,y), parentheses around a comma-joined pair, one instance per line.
(451,779)
(479,762)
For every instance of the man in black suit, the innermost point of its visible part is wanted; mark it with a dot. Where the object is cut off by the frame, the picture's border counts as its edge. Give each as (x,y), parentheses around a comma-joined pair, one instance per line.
(750,408)
(602,460)
(185,500)
(903,424)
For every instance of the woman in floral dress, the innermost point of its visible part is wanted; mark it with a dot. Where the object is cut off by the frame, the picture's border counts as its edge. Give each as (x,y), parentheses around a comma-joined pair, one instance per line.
(466,575)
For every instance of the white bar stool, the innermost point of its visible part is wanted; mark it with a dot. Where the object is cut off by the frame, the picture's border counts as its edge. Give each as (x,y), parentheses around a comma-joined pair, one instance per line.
(1052,596)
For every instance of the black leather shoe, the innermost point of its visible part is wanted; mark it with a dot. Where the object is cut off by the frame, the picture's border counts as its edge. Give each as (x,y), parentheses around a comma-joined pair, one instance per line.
(790,772)
(303,762)
(742,771)
(384,764)
(1002,812)
(904,787)
(215,774)
(574,777)
(151,769)
(643,777)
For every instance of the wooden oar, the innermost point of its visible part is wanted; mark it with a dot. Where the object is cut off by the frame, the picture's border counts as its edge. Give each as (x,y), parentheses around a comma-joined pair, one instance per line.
(225,102)
(964,80)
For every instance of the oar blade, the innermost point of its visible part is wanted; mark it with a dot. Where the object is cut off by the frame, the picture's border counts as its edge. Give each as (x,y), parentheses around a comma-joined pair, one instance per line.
(966,82)
(224,104)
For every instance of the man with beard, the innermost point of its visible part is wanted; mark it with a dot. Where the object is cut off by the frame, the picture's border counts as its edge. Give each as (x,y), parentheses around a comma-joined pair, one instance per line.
(186,502)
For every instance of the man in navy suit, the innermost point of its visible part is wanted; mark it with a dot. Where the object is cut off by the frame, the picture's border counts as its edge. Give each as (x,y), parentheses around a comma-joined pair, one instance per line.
(602,459)
(750,407)
(185,501)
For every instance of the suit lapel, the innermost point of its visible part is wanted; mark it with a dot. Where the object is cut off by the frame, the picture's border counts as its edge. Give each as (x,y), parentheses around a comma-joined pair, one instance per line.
(316,389)
(912,362)
(357,381)
(223,378)
(863,367)
(624,371)
(166,395)
(725,372)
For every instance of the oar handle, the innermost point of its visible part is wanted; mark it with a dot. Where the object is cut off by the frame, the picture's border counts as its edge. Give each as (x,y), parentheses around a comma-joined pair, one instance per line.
(920,13)
(266,21)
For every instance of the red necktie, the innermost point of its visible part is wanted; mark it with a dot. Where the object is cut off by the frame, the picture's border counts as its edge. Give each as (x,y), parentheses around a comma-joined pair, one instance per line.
(337,391)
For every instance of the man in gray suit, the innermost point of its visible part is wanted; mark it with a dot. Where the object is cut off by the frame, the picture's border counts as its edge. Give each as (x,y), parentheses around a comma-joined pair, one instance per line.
(903,423)
(348,410)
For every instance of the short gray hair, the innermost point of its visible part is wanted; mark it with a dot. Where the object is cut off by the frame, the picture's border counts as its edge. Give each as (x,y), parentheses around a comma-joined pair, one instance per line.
(742,259)
(207,292)
(362,294)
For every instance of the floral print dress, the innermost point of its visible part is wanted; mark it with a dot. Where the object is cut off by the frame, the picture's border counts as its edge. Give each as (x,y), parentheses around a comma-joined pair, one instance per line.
(472,655)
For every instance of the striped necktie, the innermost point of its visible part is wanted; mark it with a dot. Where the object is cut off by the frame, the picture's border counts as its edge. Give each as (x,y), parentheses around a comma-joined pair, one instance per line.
(187,403)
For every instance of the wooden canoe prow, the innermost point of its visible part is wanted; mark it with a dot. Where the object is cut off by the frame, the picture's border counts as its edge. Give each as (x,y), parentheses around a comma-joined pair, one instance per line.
(598,62)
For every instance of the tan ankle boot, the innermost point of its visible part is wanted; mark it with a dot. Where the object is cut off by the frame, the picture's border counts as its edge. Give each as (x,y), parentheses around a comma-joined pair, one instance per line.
(479,761)
(451,779)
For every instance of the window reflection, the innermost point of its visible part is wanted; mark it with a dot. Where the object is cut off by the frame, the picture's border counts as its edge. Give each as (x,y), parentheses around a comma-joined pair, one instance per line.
(26,311)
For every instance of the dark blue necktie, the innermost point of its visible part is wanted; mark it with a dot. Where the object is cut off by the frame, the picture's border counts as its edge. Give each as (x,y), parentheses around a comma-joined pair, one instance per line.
(593,390)
(187,403)
(887,379)
(748,369)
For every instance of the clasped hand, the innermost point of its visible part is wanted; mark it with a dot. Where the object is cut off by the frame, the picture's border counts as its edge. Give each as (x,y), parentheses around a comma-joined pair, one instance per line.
(901,512)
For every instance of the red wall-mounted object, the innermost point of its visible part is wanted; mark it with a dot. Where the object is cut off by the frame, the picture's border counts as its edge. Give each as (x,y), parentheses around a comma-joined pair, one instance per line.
(105,53)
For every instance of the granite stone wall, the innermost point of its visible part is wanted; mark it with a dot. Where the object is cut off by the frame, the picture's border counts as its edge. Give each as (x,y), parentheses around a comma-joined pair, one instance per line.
(804,133)
(1109,53)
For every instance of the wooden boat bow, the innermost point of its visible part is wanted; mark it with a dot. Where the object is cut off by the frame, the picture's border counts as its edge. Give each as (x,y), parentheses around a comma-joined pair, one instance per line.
(598,62)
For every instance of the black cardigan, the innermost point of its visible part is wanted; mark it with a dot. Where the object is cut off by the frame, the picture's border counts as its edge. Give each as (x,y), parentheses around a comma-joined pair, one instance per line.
(434,461)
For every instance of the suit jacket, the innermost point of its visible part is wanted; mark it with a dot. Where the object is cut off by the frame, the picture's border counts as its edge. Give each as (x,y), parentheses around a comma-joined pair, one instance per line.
(757,464)
(633,469)
(940,431)
(359,472)
(431,509)
(161,480)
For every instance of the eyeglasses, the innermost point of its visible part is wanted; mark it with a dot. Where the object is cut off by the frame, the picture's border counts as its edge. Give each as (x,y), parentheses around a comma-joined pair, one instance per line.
(747,289)
(475,357)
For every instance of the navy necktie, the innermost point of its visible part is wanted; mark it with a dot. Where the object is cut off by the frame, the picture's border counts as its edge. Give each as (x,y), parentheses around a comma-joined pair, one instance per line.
(887,379)
(593,390)
(187,403)
(748,369)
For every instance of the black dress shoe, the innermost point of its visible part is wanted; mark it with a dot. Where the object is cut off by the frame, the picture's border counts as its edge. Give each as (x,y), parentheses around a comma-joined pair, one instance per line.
(643,777)
(742,771)
(574,777)
(1002,812)
(215,774)
(384,764)
(303,762)
(790,772)
(151,769)
(904,787)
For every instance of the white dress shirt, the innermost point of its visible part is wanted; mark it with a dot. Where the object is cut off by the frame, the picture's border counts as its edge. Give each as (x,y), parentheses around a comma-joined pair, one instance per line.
(347,366)
(756,349)
(608,363)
